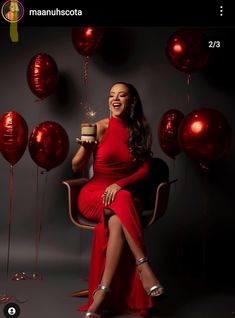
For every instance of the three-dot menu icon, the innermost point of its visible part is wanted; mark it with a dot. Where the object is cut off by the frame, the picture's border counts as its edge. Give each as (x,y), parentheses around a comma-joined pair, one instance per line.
(221,10)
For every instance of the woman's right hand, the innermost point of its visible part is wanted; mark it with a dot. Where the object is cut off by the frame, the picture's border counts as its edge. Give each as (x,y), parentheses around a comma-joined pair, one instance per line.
(87,144)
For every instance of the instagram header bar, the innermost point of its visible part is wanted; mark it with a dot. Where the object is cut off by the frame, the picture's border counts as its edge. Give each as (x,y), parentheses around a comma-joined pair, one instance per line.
(149,14)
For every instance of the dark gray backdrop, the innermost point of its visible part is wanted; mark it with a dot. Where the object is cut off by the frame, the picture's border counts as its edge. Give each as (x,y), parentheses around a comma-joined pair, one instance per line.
(136,55)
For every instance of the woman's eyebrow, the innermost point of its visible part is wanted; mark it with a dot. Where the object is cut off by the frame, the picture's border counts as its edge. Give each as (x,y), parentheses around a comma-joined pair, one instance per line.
(118,92)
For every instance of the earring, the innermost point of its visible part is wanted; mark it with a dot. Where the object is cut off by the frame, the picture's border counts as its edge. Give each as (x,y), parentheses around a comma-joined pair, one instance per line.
(110,113)
(132,111)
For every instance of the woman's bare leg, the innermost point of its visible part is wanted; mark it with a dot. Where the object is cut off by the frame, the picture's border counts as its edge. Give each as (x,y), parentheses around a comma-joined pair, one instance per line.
(147,276)
(114,249)
(117,236)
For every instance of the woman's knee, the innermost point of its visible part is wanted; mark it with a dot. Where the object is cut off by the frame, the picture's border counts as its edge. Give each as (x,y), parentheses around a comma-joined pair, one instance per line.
(114,223)
(114,219)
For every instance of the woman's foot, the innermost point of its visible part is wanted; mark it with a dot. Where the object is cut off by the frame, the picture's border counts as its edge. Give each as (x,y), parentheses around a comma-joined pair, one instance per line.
(150,283)
(99,297)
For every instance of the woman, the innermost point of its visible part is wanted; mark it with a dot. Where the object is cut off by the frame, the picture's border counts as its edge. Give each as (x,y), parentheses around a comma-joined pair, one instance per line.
(121,165)
(12,14)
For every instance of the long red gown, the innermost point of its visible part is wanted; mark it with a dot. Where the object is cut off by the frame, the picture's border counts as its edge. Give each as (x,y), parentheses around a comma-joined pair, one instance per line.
(113,163)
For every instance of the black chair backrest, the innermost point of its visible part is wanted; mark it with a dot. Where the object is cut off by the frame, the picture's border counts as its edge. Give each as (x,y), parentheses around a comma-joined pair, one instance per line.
(159,172)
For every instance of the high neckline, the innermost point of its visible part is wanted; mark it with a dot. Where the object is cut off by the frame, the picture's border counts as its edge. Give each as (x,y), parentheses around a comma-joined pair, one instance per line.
(119,120)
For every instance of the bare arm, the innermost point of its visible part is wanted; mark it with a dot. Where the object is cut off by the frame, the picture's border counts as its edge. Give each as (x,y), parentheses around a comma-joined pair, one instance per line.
(83,154)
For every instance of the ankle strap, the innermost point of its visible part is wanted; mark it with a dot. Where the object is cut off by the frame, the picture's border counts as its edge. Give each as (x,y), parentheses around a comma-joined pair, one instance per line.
(103,288)
(141,260)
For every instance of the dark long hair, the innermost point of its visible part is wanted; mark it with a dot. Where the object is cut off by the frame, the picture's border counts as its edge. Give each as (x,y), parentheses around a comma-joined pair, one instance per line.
(140,136)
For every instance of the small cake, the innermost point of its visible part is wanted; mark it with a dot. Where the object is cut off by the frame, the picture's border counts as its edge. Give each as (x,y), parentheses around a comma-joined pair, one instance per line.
(88,131)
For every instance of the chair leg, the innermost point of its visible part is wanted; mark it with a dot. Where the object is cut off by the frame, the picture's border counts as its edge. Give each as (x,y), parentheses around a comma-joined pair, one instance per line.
(80,293)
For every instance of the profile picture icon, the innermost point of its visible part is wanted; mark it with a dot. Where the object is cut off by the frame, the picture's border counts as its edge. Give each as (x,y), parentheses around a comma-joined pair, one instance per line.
(12,11)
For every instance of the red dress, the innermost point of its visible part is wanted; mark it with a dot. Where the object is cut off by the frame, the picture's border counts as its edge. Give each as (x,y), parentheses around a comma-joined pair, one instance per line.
(113,163)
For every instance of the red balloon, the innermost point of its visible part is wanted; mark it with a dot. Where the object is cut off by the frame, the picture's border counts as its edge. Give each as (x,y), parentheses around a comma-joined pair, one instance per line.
(87,40)
(168,132)
(48,145)
(205,134)
(13,136)
(42,75)
(187,50)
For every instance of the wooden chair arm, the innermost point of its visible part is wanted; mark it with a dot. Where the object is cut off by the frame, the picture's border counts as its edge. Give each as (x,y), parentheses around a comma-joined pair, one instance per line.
(161,201)
(75,182)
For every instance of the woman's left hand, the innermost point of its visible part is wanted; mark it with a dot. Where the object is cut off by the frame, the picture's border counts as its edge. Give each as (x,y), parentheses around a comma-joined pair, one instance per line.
(110,193)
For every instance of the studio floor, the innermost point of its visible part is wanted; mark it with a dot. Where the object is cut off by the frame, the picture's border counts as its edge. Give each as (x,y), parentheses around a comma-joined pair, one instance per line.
(51,297)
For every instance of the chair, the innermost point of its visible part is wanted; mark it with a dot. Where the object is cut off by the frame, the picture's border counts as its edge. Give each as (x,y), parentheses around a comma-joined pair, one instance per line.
(154,199)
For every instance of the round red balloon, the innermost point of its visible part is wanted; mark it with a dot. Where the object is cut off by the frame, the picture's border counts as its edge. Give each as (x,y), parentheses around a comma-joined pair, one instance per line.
(187,50)
(42,75)
(13,136)
(48,145)
(168,132)
(87,40)
(205,134)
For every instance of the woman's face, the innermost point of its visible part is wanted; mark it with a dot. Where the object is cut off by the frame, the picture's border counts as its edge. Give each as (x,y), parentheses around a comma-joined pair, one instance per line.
(12,7)
(120,100)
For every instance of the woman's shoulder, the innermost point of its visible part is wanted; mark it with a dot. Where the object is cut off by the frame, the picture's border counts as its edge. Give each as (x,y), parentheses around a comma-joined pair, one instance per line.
(102,126)
(103,123)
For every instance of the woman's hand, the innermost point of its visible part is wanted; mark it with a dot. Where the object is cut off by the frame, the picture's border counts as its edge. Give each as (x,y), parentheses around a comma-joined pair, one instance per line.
(110,193)
(87,144)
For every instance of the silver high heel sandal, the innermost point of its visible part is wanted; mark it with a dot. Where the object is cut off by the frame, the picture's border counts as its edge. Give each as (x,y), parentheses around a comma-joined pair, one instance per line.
(150,291)
(90,314)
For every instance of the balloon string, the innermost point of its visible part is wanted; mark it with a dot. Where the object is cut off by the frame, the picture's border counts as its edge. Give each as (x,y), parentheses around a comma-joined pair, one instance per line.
(181,232)
(39,114)
(44,191)
(43,197)
(85,79)
(10,220)
(180,236)
(205,226)
(189,79)
(174,170)
(85,74)
(5,298)
(37,223)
